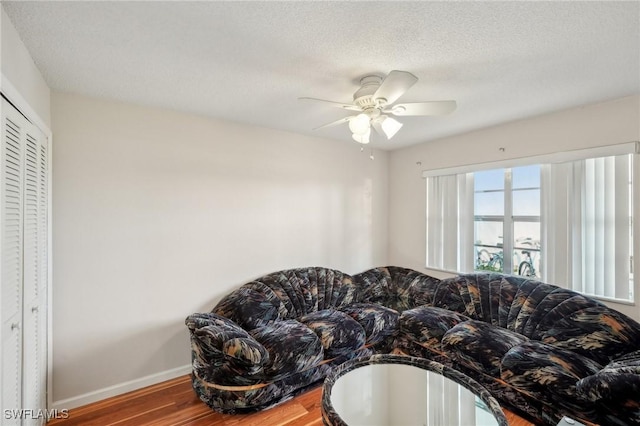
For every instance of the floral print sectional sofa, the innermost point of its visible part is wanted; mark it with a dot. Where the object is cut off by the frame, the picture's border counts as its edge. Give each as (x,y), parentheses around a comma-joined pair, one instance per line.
(543,351)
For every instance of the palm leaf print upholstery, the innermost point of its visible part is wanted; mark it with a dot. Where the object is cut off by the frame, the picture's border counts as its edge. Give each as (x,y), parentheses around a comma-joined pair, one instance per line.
(541,350)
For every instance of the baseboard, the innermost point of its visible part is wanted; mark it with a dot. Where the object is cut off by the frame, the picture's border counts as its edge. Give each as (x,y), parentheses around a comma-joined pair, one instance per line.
(115,390)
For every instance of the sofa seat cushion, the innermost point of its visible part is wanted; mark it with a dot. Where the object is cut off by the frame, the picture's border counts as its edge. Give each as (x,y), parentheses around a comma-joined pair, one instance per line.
(427,325)
(338,332)
(480,345)
(292,348)
(248,308)
(548,373)
(598,332)
(379,323)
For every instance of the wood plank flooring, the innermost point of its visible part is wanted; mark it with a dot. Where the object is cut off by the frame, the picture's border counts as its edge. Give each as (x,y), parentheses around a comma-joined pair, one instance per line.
(173,403)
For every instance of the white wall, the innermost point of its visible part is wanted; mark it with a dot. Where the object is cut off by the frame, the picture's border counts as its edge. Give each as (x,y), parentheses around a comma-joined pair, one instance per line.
(22,83)
(589,126)
(158,214)
(20,74)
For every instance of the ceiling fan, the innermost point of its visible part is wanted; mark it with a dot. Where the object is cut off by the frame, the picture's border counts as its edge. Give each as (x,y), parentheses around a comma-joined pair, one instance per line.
(374,102)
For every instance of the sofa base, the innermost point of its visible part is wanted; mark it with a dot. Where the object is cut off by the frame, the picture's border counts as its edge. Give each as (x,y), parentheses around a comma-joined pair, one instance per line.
(249,399)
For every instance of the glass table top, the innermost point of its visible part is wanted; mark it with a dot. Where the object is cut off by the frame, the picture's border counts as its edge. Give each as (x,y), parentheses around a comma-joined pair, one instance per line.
(397,393)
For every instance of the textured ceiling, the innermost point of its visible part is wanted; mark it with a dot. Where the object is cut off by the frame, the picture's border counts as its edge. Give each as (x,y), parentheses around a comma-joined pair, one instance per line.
(250,61)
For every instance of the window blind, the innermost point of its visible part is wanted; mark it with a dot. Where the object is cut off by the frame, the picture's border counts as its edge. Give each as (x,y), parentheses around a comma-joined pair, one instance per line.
(586,218)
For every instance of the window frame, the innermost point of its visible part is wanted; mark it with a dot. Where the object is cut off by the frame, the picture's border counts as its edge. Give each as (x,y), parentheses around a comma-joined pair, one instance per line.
(508,220)
(561,157)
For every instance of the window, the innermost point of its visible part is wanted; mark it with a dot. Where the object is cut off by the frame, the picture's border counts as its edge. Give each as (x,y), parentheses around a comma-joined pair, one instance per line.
(565,219)
(600,225)
(507,220)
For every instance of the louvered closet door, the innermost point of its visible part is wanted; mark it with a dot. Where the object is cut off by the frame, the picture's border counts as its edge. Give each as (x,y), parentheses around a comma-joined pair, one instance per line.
(12,250)
(34,270)
(24,221)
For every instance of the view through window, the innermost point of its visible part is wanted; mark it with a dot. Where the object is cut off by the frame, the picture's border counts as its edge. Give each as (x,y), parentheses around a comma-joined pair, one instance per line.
(507,220)
(566,221)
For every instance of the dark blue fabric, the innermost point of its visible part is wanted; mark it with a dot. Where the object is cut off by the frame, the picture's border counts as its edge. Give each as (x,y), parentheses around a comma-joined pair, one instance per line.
(480,345)
(615,389)
(428,324)
(542,351)
(249,308)
(379,322)
(292,348)
(549,374)
(338,332)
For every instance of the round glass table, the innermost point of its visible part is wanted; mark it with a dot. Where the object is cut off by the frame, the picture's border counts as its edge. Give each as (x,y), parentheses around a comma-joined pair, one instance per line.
(394,390)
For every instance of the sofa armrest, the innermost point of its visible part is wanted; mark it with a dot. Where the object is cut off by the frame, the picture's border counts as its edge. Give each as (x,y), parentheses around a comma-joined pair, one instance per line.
(223,353)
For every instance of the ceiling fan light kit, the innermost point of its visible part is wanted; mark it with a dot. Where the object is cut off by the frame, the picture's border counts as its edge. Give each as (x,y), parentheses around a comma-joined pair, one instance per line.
(362,138)
(374,101)
(390,126)
(360,124)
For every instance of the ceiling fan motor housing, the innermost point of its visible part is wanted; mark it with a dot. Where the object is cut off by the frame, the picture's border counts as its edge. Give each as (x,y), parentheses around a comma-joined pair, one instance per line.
(363,97)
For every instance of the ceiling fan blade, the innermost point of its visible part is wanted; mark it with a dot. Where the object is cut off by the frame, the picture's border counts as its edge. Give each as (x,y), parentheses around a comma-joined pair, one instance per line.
(423,108)
(332,103)
(394,86)
(335,123)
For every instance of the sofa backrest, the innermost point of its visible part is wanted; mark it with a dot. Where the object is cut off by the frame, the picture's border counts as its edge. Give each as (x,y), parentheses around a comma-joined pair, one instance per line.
(537,310)
(402,288)
(516,303)
(287,294)
(548,313)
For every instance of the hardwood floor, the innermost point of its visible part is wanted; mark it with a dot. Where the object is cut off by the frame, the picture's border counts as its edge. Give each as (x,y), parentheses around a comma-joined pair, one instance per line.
(173,403)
